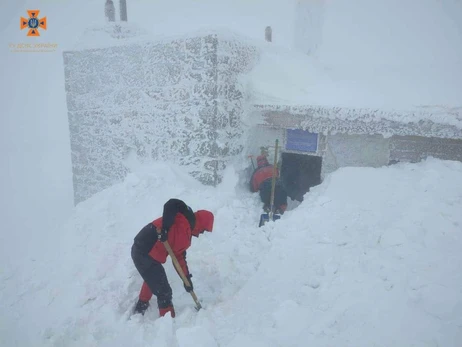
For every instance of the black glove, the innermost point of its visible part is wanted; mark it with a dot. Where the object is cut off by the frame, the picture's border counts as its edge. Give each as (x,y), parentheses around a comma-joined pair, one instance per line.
(190,288)
(163,235)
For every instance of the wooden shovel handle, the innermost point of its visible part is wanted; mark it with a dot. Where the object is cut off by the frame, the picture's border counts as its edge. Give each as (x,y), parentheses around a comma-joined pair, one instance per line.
(178,268)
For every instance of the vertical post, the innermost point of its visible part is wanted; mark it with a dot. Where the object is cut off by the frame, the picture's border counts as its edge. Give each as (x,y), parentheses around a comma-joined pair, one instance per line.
(109,11)
(215,174)
(123,10)
(268,34)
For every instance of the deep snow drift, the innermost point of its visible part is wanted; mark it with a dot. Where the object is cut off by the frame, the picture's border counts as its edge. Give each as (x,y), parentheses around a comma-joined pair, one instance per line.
(370,258)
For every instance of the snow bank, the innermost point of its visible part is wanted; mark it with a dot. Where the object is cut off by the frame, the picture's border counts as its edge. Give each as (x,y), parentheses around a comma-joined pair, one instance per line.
(371,257)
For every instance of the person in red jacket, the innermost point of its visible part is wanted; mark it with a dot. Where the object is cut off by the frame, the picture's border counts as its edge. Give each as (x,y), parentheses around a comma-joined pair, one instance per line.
(177,225)
(261,182)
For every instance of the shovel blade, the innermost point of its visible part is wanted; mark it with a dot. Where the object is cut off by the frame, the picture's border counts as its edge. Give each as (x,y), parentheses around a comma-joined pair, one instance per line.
(265,217)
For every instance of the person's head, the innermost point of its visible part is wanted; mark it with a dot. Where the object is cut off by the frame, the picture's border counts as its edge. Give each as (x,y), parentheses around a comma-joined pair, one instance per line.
(204,221)
(262,161)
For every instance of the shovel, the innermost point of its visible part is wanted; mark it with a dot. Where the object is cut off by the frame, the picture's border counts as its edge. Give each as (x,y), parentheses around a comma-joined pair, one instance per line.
(178,268)
(266,217)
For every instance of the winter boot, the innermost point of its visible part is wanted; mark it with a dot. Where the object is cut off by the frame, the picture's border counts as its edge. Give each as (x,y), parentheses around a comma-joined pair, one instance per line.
(164,311)
(141,307)
(165,305)
(281,209)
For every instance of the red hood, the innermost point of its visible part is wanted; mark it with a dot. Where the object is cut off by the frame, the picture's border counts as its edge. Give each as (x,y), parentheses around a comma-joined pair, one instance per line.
(204,221)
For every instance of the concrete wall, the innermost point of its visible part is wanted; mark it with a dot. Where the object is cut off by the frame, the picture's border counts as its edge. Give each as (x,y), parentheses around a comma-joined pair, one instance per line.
(415,148)
(355,150)
(178,100)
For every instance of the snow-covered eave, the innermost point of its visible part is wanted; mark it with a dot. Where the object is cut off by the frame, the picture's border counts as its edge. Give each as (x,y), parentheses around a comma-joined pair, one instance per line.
(328,120)
(128,34)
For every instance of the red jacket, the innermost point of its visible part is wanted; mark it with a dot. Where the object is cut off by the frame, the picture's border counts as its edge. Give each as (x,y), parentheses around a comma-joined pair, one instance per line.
(179,236)
(261,174)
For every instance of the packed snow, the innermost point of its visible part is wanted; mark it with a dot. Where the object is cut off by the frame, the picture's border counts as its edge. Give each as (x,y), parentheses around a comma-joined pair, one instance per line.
(371,257)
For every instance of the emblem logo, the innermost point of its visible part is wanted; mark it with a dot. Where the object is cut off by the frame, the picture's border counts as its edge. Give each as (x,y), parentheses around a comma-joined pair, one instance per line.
(33,23)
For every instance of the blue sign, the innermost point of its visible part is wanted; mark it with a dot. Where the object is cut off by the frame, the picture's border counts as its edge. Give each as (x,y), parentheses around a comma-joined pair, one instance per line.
(301,140)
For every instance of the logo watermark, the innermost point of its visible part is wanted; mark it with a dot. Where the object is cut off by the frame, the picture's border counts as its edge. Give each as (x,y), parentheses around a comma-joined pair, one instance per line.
(32,47)
(33,23)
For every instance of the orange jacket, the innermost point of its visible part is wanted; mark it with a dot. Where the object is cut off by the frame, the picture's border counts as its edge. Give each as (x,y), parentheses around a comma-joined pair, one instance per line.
(261,174)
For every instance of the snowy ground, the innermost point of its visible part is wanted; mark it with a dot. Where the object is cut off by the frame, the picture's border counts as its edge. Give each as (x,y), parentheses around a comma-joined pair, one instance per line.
(370,258)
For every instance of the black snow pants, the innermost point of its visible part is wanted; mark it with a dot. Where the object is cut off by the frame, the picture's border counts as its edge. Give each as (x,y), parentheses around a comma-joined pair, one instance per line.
(280,195)
(154,275)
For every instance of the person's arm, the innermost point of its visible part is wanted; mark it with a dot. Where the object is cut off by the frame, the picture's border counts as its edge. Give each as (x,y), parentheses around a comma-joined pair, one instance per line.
(252,187)
(181,257)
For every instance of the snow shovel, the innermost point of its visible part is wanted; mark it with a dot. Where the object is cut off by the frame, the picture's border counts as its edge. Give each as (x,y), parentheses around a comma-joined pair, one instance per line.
(266,217)
(181,273)
(251,159)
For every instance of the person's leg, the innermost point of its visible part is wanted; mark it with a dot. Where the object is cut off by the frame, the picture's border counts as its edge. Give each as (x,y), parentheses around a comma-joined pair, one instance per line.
(145,293)
(280,198)
(156,279)
(155,282)
(265,194)
(142,262)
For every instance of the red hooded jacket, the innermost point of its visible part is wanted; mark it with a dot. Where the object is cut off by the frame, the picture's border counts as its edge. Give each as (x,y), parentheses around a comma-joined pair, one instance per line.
(263,172)
(179,236)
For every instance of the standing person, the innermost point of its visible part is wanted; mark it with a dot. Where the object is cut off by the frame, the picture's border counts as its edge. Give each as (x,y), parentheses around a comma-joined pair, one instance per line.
(177,225)
(261,182)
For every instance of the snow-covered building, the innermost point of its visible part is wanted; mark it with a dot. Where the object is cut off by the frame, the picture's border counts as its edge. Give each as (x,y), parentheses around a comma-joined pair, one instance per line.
(177,100)
(203,100)
(318,140)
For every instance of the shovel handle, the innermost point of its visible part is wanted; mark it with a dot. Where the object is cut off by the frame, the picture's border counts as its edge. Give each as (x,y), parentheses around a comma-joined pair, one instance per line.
(178,268)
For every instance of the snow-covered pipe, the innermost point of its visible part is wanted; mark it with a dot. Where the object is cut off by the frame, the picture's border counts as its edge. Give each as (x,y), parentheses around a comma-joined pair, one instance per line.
(123,10)
(109,11)
(268,34)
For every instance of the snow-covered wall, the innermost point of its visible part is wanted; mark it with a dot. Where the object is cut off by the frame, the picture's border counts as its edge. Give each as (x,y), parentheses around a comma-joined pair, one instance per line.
(178,100)
(415,148)
(354,150)
(430,122)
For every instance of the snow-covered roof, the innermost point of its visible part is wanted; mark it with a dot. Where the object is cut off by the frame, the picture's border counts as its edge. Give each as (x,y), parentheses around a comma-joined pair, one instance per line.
(431,122)
(381,66)
(293,89)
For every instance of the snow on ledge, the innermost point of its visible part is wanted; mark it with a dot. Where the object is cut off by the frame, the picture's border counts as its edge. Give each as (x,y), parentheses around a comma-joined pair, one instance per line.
(324,119)
(120,34)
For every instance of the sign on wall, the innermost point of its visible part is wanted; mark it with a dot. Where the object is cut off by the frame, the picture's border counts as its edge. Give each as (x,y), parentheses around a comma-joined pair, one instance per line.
(301,140)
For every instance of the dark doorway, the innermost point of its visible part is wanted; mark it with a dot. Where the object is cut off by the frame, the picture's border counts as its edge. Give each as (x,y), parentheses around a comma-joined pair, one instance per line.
(300,172)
